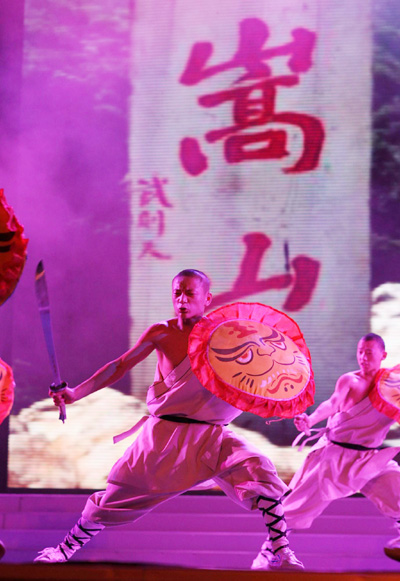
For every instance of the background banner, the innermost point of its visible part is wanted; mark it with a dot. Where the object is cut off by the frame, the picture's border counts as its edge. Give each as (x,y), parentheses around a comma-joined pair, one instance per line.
(249,159)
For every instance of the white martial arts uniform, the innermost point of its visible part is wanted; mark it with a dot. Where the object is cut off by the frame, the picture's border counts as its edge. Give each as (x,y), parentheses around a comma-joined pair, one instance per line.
(168,457)
(331,471)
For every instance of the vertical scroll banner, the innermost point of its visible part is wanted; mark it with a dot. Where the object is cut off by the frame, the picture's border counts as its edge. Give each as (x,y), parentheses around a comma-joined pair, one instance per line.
(252,161)
(255,358)
(12,249)
(385,392)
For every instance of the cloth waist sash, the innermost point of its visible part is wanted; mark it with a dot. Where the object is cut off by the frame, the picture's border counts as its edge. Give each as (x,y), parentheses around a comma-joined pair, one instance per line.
(171,418)
(352,446)
(185,420)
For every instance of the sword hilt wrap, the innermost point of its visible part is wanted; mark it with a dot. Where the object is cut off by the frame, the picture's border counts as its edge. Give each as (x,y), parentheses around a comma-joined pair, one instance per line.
(55,389)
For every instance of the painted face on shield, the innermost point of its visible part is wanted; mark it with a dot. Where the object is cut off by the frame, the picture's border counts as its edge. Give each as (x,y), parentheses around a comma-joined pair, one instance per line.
(258,359)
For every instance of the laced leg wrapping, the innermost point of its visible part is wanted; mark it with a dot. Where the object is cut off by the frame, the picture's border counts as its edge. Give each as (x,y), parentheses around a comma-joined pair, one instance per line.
(274,518)
(78,536)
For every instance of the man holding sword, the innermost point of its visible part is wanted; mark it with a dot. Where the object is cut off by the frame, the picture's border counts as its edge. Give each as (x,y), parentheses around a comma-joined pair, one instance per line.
(183,441)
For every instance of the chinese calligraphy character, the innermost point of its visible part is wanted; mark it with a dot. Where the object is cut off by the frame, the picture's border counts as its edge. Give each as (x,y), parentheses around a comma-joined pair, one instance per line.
(254,101)
(302,282)
(153,190)
(152,220)
(153,201)
(149,249)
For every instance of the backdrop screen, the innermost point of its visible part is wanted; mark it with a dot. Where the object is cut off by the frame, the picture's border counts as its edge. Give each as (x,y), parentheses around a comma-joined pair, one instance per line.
(144,137)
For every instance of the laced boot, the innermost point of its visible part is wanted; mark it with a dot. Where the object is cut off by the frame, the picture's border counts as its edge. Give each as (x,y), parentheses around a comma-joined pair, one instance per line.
(77,537)
(275,552)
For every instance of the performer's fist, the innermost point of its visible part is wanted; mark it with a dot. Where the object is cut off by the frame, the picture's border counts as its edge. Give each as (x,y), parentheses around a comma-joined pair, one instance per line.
(61,393)
(56,388)
(302,423)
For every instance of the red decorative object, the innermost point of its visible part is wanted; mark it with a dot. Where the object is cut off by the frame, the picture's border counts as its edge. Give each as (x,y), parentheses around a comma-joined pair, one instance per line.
(6,390)
(255,358)
(12,249)
(385,392)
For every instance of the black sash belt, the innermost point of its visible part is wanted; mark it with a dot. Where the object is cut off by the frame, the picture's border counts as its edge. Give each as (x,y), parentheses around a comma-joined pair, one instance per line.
(186,420)
(352,446)
(182,419)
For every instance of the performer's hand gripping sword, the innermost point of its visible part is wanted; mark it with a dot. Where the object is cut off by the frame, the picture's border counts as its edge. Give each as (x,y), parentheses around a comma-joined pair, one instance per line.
(42,296)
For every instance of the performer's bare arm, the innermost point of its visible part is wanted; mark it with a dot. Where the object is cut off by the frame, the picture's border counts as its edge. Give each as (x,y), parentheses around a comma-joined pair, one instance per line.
(351,387)
(116,369)
(327,408)
(190,296)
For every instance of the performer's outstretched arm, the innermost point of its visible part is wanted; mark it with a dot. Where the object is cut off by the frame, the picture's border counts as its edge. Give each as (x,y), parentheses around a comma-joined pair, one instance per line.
(325,410)
(112,371)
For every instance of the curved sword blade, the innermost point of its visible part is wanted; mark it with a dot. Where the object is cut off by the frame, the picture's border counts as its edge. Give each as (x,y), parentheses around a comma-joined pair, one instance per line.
(42,297)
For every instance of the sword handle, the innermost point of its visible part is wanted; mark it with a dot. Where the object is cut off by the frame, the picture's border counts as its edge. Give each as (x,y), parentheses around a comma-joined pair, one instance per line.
(56,388)
(63,413)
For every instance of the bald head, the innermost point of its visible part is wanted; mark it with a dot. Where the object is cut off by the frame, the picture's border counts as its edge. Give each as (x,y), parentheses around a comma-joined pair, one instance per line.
(374,337)
(193,273)
(370,354)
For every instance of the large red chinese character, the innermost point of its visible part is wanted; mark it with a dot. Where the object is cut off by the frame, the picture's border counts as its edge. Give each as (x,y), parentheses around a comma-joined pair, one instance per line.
(253,34)
(254,101)
(302,279)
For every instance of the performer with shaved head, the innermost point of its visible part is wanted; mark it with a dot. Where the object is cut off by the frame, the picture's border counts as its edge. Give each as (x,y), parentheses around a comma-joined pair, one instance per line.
(347,458)
(184,441)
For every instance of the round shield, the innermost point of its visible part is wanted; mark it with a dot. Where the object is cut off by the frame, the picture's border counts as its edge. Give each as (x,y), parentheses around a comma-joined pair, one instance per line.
(6,390)
(255,358)
(12,249)
(385,392)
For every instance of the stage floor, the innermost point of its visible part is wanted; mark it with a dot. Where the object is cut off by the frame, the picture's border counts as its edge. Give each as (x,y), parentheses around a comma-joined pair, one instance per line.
(120,572)
(194,536)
